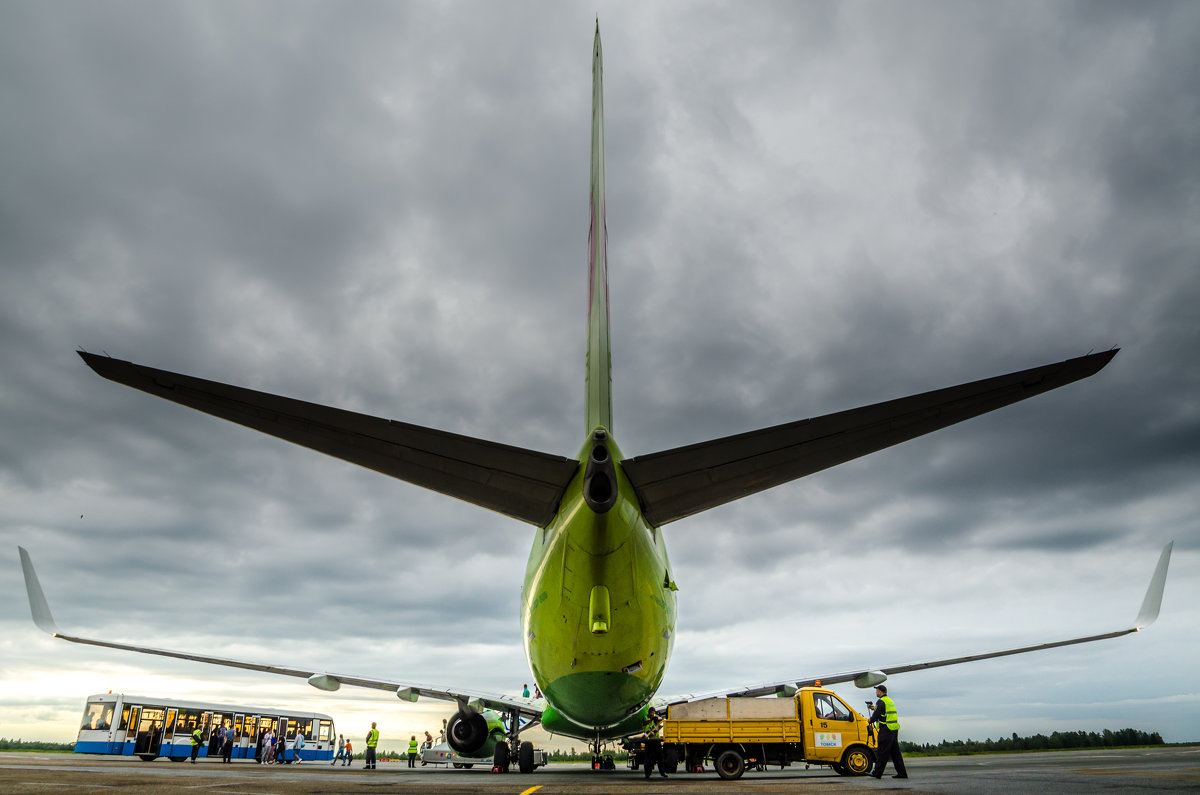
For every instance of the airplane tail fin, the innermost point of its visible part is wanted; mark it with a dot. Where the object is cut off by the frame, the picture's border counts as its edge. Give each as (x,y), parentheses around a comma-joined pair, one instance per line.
(599,361)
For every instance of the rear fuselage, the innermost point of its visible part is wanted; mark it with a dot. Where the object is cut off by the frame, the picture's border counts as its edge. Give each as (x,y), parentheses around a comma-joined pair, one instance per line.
(598,611)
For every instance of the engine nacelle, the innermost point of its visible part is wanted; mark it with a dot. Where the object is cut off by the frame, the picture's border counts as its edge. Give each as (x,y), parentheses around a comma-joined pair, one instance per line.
(475,734)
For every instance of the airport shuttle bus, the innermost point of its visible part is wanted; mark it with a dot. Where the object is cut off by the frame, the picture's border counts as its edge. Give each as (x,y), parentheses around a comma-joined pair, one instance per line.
(123,725)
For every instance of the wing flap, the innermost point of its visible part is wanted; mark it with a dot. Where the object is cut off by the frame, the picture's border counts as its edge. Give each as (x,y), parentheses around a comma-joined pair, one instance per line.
(677,483)
(524,484)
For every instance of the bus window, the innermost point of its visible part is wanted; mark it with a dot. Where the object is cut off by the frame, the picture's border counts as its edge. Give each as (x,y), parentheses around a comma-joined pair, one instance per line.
(287,728)
(124,718)
(303,726)
(325,733)
(97,716)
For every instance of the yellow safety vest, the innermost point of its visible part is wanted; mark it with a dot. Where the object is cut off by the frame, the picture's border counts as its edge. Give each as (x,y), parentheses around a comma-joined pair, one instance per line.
(651,727)
(890,717)
(196,737)
(373,738)
(412,746)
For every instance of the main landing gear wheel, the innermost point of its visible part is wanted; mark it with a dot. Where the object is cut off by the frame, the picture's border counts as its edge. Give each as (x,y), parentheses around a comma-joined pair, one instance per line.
(525,757)
(500,762)
(856,761)
(729,764)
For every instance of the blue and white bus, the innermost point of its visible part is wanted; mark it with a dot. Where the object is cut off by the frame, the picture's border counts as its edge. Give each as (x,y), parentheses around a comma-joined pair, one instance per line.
(147,727)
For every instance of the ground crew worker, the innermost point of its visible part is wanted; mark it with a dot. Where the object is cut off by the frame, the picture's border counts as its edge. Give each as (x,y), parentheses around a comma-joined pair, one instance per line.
(888,732)
(412,751)
(197,736)
(653,743)
(372,741)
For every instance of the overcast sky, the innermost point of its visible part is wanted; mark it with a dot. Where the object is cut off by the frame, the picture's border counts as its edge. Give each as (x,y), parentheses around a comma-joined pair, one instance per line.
(812,207)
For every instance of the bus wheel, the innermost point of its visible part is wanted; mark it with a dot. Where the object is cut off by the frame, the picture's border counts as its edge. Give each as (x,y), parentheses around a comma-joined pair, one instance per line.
(147,757)
(173,758)
(729,764)
(857,761)
(525,757)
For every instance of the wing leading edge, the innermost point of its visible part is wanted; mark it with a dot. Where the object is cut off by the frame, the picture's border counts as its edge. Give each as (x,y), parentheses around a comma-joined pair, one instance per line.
(524,484)
(677,483)
(869,677)
(406,691)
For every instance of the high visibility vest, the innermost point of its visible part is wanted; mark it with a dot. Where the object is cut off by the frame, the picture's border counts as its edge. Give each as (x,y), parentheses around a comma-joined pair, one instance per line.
(196,737)
(890,718)
(373,738)
(412,746)
(651,727)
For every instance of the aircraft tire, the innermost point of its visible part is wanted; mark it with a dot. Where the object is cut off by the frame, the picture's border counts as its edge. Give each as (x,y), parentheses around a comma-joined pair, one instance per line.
(500,760)
(525,757)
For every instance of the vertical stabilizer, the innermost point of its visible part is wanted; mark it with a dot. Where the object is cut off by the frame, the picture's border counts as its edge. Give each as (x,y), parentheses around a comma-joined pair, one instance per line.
(599,361)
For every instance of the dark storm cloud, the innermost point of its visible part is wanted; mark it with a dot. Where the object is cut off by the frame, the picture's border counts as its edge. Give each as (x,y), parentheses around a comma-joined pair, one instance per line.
(383,207)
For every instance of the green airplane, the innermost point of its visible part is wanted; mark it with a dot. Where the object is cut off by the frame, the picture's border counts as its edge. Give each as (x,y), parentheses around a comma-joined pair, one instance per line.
(598,605)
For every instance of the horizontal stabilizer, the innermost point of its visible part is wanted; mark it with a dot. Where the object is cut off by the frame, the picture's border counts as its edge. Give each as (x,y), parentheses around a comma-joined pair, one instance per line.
(677,483)
(866,677)
(523,484)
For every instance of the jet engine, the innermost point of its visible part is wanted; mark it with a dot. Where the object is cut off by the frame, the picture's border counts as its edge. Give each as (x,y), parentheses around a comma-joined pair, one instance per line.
(475,733)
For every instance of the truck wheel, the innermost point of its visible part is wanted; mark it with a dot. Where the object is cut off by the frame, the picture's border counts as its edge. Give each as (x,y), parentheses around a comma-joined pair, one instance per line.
(525,757)
(729,764)
(670,763)
(857,761)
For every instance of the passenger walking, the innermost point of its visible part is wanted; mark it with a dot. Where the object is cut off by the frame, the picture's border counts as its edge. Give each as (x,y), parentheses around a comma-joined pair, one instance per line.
(269,747)
(227,748)
(888,727)
(412,751)
(341,754)
(258,747)
(372,742)
(298,746)
(349,753)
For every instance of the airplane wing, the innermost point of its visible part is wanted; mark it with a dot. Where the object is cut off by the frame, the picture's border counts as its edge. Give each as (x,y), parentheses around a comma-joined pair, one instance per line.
(530,709)
(523,484)
(677,483)
(869,677)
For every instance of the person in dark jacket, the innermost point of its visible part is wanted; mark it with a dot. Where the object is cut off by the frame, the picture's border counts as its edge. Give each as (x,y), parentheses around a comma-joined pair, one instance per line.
(887,728)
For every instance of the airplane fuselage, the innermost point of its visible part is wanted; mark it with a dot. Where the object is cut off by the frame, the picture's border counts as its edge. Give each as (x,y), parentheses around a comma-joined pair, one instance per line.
(598,611)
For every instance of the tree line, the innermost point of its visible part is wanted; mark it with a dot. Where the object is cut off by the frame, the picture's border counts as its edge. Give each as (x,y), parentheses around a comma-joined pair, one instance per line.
(1038,742)
(33,745)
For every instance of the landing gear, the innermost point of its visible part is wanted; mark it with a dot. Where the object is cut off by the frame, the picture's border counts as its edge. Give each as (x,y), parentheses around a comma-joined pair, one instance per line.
(512,750)
(500,762)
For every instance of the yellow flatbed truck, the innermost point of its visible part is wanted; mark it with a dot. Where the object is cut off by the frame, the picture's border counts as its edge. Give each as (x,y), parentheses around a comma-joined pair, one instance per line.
(815,727)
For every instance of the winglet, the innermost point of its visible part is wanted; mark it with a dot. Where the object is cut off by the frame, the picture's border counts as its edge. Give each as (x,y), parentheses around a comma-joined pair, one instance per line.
(1154,593)
(37,599)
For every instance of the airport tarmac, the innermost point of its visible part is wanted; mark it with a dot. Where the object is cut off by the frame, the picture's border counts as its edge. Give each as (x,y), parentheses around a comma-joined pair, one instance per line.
(1116,771)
